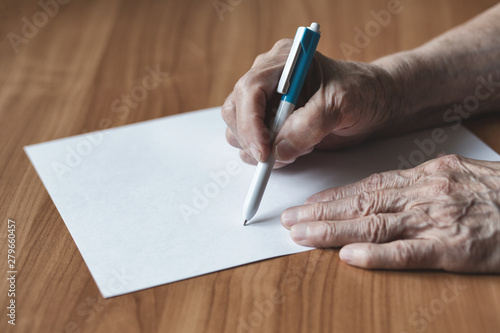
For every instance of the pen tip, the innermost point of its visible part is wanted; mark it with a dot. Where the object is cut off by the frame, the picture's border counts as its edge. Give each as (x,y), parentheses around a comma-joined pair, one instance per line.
(245,223)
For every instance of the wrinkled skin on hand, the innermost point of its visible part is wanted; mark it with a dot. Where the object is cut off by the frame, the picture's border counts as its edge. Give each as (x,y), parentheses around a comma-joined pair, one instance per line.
(346,103)
(443,214)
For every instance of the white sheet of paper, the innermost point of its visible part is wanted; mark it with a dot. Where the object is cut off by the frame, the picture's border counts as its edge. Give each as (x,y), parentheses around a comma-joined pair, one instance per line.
(161,201)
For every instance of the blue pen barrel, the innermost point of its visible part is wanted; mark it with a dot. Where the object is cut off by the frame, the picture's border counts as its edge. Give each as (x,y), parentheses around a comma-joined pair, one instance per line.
(308,43)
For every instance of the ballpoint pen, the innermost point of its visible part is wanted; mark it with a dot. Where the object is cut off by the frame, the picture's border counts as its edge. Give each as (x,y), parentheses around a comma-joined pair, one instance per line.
(290,85)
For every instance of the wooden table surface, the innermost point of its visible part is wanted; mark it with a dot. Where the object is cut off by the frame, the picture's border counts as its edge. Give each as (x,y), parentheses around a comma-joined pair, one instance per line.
(62,71)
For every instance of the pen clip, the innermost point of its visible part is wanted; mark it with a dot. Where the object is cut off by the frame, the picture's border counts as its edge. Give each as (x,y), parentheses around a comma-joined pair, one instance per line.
(284,82)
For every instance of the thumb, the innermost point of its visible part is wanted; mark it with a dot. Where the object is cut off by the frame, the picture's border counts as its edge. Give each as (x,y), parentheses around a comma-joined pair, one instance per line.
(399,254)
(303,129)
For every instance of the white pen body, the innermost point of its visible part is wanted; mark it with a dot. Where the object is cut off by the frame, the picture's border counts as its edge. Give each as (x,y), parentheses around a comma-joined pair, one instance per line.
(263,171)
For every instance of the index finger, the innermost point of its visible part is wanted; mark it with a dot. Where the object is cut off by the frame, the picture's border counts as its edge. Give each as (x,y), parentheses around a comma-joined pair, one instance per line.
(253,94)
(250,102)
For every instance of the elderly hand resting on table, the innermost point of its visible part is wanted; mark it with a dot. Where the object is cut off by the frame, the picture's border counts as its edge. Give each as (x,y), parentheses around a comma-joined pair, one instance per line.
(443,214)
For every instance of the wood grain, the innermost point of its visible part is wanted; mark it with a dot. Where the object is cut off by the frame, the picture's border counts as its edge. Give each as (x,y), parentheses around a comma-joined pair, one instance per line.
(63,81)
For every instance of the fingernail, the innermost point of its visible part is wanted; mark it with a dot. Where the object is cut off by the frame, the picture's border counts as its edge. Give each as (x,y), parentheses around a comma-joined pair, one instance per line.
(346,254)
(299,232)
(289,217)
(256,153)
(284,151)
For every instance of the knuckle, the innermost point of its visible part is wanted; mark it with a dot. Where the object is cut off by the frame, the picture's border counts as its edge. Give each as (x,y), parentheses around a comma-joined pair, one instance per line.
(281,44)
(452,160)
(279,50)
(403,254)
(252,87)
(259,58)
(443,184)
(227,111)
(245,82)
(447,162)
(327,236)
(374,181)
(318,211)
(365,203)
(375,230)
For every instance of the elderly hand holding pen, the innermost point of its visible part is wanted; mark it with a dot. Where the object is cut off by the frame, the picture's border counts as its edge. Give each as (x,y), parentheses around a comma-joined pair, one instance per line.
(443,214)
